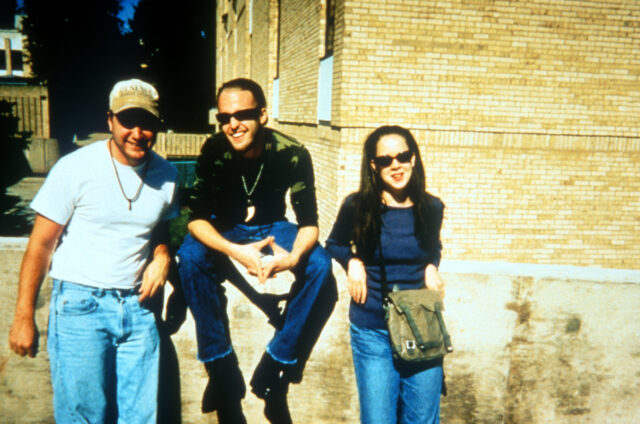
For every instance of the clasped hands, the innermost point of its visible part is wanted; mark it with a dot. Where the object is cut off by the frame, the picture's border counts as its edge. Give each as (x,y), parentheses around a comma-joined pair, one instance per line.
(249,255)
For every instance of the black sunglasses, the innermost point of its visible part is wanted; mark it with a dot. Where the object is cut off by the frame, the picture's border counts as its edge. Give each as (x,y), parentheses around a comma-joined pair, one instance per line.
(132,118)
(386,160)
(240,115)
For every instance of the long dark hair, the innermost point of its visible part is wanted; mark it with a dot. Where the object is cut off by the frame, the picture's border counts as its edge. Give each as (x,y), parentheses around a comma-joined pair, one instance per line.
(368,199)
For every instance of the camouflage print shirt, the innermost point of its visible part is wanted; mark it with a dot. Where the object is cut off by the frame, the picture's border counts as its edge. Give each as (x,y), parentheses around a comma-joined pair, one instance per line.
(220,194)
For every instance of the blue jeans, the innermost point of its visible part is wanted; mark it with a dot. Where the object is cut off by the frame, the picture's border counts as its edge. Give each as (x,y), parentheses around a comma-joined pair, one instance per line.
(104,351)
(202,270)
(392,391)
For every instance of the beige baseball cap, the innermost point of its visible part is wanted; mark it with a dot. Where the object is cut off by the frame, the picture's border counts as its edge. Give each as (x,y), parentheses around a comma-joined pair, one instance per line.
(134,94)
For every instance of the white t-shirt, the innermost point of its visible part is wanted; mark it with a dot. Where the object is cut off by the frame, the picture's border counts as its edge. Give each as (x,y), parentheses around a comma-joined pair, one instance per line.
(104,244)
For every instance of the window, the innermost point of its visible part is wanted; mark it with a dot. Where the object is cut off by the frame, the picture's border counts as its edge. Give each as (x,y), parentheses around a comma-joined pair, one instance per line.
(16,60)
(275,108)
(330,30)
(325,85)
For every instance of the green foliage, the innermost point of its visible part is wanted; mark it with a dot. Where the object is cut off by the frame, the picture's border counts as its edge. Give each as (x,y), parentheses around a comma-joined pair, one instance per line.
(77,50)
(178,228)
(13,164)
(7,12)
(177,51)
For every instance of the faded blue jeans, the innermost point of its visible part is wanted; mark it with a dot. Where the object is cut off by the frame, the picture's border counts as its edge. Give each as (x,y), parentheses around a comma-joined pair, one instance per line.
(393,391)
(202,270)
(104,351)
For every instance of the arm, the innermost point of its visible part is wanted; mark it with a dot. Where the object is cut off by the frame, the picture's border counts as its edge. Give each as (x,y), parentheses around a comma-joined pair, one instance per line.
(156,272)
(432,278)
(433,281)
(302,196)
(339,247)
(23,336)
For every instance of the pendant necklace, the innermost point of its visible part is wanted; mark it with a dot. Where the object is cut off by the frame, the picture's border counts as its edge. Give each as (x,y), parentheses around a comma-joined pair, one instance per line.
(251,209)
(144,173)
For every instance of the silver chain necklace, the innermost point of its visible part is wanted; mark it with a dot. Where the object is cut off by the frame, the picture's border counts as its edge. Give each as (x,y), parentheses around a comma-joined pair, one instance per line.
(255,184)
(144,173)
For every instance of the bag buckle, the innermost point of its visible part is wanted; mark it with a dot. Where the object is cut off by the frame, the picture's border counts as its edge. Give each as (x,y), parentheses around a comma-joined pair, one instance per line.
(411,344)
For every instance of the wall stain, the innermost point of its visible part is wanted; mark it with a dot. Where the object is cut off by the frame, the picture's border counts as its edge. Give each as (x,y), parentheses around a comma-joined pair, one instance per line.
(572,389)
(522,377)
(522,309)
(573,325)
(461,401)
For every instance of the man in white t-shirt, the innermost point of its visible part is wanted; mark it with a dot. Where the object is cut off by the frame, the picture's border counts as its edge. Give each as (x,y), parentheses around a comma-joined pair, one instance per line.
(103,213)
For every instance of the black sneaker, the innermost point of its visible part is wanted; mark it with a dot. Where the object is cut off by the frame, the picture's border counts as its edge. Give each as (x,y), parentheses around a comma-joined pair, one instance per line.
(225,390)
(270,384)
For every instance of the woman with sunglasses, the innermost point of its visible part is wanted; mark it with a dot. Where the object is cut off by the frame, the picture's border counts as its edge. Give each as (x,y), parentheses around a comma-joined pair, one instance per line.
(390,221)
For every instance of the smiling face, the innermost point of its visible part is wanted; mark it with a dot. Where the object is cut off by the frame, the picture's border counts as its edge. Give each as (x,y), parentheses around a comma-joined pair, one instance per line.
(134,133)
(396,176)
(242,135)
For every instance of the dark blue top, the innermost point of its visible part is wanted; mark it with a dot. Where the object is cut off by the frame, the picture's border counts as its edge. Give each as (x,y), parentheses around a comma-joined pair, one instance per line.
(405,260)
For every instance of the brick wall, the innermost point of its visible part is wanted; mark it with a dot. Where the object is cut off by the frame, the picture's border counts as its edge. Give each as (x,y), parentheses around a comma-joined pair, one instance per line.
(552,67)
(260,55)
(526,198)
(300,35)
(526,112)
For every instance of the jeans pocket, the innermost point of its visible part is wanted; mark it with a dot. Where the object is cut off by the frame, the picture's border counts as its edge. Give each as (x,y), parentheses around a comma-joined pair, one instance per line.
(76,302)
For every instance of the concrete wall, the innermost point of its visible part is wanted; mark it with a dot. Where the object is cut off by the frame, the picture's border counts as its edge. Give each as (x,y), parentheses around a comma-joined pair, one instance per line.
(533,344)
(42,154)
(31,107)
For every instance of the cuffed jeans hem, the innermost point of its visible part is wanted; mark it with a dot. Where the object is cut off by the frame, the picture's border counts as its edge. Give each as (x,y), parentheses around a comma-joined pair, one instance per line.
(277,359)
(213,358)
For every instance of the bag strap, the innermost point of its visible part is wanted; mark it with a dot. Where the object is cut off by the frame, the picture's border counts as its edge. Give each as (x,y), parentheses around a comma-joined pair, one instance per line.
(415,330)
(443,328)
(383,276)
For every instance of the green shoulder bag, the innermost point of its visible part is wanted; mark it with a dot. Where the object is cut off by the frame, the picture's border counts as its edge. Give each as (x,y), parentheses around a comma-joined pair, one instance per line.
(416,327)
(414,319)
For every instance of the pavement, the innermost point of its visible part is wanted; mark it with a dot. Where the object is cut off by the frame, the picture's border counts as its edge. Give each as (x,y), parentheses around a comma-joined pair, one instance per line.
(17,217)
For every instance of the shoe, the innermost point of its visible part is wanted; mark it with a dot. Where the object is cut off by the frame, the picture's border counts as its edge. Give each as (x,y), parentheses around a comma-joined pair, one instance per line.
(266,376)
(269,383)
(276,408)
(225,390)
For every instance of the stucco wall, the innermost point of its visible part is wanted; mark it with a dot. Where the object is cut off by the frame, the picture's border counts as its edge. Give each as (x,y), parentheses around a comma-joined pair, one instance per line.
(533,344)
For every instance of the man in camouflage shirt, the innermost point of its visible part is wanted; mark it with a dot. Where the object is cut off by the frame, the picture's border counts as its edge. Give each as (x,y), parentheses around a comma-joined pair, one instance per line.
(238,211)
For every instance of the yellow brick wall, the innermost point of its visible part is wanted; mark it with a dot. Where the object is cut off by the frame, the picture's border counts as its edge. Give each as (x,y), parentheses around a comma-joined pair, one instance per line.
(524,198)
(537,199)
(299,60)
(543,66)
(526,113)
(260,51)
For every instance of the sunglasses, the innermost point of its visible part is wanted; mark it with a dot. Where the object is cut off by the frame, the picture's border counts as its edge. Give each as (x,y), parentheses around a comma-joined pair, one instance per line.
(386,160)
(241,115)
(132,118)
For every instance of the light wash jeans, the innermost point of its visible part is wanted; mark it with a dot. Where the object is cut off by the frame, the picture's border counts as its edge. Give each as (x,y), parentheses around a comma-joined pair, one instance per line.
(104,352)
(392,391)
